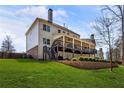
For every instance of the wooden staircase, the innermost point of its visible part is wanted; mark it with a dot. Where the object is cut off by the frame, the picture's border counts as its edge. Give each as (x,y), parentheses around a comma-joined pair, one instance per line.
(49,53)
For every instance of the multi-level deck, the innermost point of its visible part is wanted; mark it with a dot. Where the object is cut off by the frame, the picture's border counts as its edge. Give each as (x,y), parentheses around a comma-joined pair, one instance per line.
(66,44)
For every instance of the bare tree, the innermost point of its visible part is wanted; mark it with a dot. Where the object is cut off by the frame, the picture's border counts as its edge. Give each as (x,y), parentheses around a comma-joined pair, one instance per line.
(7,45)
(104,26)
(118,12)
(117,49)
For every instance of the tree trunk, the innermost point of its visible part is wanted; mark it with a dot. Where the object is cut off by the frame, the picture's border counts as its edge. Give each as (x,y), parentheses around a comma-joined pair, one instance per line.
(123,35)
(110,51)
(110,48)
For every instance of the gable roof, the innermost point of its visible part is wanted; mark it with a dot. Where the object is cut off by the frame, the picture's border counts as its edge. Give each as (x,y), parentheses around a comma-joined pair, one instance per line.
(59,26)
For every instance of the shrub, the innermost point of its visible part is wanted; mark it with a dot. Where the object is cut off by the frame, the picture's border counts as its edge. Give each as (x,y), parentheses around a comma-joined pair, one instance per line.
(74,59)
(96,58)
(24,56)
(60,58)
(90,59)
(103,60)
(81,59)
(106,61)
(29,56)
(86,59)
(100,60)
(66,58)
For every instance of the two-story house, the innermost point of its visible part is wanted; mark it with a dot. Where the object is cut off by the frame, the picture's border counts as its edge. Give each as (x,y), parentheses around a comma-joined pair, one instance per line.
(48,40)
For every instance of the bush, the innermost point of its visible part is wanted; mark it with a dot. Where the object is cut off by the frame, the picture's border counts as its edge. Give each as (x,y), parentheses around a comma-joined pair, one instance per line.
(29,56)
(106,61)
(96,58)
(81,59)
(74,59)
(66,58)
(89,59)
(86,59)
(100,60)
(60,58)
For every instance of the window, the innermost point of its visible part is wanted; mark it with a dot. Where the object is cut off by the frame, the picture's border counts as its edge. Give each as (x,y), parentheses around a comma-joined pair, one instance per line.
(48,41)
(46,27)
(63,31)
(59,31)
(67,33)
(44,41)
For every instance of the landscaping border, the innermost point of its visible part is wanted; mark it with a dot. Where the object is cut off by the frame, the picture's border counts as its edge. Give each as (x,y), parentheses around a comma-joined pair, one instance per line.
(89,65)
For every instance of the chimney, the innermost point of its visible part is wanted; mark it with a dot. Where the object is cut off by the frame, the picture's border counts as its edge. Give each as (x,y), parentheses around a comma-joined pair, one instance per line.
(92,36)
(50,15)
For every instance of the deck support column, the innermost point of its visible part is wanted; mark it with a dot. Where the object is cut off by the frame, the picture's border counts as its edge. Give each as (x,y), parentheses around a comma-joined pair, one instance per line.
(73,47)
(81,49)
(63,46)
(89,50)
(57,51)
(94,55)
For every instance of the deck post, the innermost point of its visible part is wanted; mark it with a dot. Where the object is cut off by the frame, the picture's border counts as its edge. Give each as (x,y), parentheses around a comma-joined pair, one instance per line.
(73,47)
(81,49)
(57,51)
(89,52)
(63,46)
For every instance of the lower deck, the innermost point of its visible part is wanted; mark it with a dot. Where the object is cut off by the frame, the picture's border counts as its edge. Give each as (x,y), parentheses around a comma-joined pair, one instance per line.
(69,53)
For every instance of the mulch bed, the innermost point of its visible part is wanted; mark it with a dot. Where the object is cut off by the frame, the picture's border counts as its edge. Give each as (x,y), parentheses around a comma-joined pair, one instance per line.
(89,65)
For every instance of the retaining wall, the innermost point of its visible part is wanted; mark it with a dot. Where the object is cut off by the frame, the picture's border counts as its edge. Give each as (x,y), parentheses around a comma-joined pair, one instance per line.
(89,65)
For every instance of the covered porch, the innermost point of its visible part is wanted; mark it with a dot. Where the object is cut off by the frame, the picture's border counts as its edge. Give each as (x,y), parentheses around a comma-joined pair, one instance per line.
(66,44)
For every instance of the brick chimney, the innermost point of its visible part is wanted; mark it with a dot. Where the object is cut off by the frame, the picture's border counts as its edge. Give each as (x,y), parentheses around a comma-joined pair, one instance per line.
(50,15)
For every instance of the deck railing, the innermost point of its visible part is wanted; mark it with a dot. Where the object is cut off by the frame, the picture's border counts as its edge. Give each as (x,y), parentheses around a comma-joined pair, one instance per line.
(76,47)
(68,45)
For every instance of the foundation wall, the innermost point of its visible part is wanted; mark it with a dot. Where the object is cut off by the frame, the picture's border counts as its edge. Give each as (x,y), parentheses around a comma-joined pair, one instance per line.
(33,52)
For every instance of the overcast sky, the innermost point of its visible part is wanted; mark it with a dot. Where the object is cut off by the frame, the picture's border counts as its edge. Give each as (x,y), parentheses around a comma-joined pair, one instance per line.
(15,20)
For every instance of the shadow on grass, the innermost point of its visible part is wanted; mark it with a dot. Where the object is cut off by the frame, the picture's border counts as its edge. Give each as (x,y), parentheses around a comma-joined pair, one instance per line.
(33,61)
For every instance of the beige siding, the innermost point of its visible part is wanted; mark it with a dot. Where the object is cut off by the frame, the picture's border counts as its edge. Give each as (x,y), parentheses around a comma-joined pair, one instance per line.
(32,37)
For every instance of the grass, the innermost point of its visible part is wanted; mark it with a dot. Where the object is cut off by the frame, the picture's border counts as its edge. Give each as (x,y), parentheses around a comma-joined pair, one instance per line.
(28,73)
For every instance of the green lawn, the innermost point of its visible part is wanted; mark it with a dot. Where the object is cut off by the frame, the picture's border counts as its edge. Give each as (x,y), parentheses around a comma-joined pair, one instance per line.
(32,73)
